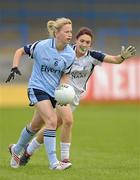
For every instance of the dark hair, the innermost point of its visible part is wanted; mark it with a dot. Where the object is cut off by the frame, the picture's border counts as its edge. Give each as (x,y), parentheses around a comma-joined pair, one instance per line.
(84,30)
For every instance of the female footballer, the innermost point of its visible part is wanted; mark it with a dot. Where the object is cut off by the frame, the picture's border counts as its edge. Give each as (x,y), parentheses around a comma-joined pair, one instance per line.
(52,61)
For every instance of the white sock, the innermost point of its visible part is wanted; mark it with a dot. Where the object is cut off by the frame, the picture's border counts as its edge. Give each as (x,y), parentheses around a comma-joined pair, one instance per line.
(33,146)
(65,150)
(50,146)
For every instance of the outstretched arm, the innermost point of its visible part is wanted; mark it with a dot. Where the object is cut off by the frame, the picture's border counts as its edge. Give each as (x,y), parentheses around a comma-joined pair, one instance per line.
(126,53)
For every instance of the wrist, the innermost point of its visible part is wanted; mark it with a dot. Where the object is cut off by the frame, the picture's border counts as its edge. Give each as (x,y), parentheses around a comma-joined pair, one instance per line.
(123,58)
(14,67)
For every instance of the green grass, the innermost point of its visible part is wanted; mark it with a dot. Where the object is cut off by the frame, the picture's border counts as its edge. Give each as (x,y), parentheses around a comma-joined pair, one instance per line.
(105,146)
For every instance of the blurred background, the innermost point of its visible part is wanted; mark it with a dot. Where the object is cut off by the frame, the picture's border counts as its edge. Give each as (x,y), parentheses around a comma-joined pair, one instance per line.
(106,136)
(114,23)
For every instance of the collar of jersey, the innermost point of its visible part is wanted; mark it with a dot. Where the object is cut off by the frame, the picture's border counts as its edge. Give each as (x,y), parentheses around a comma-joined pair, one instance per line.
(53,45)
(85,55)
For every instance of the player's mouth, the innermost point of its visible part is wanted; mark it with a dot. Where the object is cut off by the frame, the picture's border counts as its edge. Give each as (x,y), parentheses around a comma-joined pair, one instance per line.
(83,49)
(68,39)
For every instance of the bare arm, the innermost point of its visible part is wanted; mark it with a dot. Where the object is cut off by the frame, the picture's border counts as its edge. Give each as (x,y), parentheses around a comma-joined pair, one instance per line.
(113,59)
(17,57)
(16,60)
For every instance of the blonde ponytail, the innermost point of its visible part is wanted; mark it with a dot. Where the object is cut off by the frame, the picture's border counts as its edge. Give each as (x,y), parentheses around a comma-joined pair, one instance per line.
(51,26)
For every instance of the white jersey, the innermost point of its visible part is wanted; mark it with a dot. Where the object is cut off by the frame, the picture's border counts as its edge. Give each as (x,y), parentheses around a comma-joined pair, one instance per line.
(81,70)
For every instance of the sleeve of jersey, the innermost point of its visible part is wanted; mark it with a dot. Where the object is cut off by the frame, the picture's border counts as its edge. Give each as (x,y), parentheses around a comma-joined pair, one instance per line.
(68,70)
(71,60)
(97,55)
(29,49)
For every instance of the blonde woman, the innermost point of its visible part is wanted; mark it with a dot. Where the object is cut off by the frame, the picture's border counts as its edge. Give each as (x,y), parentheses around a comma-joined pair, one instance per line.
(52,61)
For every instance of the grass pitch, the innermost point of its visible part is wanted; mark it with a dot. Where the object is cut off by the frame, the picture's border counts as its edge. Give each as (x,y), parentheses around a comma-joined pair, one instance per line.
(105,144)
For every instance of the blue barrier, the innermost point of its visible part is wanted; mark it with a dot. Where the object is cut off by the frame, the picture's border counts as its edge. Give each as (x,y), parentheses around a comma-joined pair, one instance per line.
(23,13)
(72,14)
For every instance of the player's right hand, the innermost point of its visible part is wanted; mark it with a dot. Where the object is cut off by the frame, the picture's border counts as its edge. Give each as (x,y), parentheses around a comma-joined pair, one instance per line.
(128,52)
(14,71)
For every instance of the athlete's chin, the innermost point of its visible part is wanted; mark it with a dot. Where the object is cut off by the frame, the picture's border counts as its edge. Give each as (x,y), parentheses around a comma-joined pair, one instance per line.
(68,41)
(82,52)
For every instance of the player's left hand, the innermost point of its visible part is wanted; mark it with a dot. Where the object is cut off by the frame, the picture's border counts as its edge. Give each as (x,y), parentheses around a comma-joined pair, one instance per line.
(14,71)
(127,52)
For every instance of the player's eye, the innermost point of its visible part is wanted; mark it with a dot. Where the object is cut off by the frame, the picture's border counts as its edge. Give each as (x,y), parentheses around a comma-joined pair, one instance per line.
(82,41)
(67,32)
(88,42)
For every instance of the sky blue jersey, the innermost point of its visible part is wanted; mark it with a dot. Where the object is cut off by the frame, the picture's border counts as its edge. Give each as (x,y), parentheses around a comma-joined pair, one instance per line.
(49,64)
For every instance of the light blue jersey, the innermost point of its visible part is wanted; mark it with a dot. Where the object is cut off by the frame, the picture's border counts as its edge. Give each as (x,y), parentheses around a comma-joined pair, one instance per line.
(49,64)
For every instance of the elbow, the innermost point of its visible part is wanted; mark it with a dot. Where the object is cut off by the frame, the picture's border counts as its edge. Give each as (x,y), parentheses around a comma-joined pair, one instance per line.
(20,51)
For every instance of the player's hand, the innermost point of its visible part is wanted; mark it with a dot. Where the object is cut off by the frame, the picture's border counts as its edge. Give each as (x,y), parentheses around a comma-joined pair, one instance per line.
(14,71)
(127,52)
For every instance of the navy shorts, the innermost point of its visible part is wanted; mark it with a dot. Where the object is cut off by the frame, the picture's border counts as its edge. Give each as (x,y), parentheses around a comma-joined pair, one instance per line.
(37,95)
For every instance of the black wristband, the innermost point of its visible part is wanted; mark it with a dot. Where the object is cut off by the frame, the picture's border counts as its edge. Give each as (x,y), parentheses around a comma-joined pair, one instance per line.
(14,68)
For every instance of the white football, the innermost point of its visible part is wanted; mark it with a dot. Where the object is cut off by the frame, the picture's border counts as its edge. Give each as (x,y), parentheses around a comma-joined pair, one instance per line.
(64,94)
